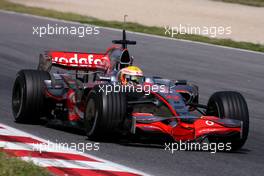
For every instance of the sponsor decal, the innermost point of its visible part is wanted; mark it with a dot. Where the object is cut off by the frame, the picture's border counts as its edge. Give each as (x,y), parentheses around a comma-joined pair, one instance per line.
(80,59)
(209,123)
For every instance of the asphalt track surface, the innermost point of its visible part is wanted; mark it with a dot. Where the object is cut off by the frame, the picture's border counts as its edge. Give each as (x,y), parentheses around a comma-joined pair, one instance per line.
(213,68)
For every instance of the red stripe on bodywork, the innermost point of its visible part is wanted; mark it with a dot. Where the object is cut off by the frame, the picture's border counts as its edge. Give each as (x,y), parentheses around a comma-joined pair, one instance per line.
(19,139)
(49,155)
(85,172)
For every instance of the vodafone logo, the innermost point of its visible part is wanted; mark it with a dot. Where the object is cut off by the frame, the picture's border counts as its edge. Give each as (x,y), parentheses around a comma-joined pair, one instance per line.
(75,61)
(209,123)
(79,59)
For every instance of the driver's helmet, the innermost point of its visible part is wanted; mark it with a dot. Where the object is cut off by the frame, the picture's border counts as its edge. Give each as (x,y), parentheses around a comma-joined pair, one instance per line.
(130,75)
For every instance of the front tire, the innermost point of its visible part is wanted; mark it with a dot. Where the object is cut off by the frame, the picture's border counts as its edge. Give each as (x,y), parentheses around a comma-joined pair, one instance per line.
(104,112)
(27,97)
(230,105)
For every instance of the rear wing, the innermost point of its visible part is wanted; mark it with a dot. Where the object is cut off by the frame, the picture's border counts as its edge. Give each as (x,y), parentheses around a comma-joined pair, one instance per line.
(74,61)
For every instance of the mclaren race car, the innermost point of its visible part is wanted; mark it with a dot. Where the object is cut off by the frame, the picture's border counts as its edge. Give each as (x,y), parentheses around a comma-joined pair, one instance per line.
(85,90)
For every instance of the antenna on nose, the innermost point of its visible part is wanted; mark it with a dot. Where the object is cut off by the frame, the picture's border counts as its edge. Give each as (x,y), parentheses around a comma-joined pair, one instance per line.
(124,42)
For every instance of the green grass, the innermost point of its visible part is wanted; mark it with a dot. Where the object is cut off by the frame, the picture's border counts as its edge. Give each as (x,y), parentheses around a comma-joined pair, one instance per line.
(10,166)
(257,3)
(135,27)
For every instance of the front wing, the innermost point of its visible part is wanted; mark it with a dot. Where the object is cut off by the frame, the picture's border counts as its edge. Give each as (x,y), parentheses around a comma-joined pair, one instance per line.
(188,128)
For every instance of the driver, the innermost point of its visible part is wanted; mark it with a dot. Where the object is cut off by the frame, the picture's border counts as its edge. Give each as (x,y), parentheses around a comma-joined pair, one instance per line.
(131,75)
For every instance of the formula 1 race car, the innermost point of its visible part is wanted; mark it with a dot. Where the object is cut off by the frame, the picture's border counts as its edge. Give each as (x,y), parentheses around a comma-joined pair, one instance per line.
(81,90)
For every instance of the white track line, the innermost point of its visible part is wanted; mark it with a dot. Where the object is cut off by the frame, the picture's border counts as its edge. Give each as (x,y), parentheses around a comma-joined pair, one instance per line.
(15,146)
(9,133)
(22,146)
(137,33)
(91,165)
(36,147)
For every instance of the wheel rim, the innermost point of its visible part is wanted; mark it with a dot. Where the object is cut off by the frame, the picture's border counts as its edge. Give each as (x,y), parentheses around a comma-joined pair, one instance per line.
(91,116)
(17,98)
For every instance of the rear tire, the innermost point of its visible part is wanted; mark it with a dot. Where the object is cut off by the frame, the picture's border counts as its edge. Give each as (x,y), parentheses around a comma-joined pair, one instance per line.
(28,101)
(231,105)
(104,113)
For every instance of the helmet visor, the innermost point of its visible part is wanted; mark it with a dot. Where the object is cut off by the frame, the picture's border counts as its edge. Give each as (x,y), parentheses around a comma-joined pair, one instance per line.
(135,79)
